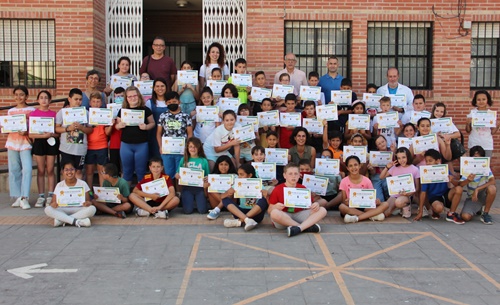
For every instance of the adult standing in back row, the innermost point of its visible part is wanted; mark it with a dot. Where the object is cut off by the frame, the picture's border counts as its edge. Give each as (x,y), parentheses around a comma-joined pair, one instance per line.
(297,77)
(159,65)
(332,80)
(394,87)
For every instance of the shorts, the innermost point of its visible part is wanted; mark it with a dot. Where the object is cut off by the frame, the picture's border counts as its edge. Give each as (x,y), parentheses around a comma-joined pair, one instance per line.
(97,156)
(299,217)
(78,161)
(443,199)
(153,203)
(472,207)
(42,148)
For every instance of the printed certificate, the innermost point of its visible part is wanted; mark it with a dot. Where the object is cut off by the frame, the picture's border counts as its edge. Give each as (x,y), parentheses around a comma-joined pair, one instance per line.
(359,121)
(442,125)
(297,197)
(241,80)
(282,90)
(219,183)
(228,103)
(216,86)
(245,120)
(158,186)
(398,100)
(327,112)
(405,142)
(423,143)
(247,188)
(315,184)
(401,183)
(486,118)
(388,119)
(132,117)
(434,173)
(359,151)
(313,125)
(187,77)
(107,194)
(100,116)
(372,100)
(75,114)
(145,86)
(380,158)
(342,97)
(362,198)
(191,177)
(258,94)
(327,166)
(269,118)
(73,196)
(207,114)
(290,119)
(479,166)
(40,125)
(115,108)
(310,93)
(265,170)
(244,133)
(120,81)
(417,115)
(13,123)
(277,155)
(172,145)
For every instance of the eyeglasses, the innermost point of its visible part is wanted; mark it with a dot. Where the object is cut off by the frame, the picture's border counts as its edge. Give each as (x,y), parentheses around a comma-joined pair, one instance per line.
(290,59)
(158,45)
(132,96)
(66,170)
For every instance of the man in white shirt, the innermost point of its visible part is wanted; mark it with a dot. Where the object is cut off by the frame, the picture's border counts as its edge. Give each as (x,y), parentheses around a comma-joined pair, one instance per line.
(394,87)
(297,77)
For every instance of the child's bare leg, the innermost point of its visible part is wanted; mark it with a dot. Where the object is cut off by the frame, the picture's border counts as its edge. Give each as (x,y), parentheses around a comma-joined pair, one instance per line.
(491,193)
(283,218)
(373,212)
(140,203)
(313,218)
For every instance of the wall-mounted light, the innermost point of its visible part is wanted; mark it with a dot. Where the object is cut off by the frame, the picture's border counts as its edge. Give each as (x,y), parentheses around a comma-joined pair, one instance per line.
(182,3)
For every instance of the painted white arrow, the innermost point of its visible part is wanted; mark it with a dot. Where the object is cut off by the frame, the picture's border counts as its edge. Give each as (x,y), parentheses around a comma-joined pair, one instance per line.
(25,271)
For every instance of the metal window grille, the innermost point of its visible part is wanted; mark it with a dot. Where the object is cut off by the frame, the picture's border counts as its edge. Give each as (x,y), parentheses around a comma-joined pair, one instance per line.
(27,53)
(313,42)
(485,56)
(404,45)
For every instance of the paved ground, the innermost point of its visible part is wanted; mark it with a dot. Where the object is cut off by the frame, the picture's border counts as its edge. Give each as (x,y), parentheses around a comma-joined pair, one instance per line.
(190,260)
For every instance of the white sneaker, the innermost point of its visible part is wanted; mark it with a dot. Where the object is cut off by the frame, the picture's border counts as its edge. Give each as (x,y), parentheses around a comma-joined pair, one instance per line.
(58,223)
(250,224)
(39,202)
(17,203)
(48,201)
(425,213)
(142,213)
(232,223)
(85,222)
(406,211)
(161,214)
(350,218)
(378,217)
(25,205)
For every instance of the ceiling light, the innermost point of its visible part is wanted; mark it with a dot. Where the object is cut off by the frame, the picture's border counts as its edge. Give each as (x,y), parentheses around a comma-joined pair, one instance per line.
(182,3)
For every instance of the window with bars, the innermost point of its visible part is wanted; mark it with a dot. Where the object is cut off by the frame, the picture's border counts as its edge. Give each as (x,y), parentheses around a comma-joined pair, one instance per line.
(404,45)
(313,42)
(485,56)
(27,53)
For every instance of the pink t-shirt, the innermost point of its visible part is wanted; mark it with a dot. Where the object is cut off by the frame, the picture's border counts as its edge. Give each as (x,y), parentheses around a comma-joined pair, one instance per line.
(16,141)
(399,170)
(346,185)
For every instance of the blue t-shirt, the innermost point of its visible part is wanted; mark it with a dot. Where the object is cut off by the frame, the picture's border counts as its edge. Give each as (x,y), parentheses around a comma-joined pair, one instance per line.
(435,189)
(391,90)
(328,83)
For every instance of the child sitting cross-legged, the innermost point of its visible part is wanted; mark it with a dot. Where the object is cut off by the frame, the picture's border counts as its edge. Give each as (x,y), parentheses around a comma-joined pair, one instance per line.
(113,179)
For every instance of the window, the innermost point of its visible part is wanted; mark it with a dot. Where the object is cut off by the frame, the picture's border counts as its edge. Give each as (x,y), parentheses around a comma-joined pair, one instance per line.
(404,45)
(485,56)
(27,53)
(313,42)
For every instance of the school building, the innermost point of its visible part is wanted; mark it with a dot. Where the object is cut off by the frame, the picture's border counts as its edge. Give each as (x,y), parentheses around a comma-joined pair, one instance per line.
(444,49)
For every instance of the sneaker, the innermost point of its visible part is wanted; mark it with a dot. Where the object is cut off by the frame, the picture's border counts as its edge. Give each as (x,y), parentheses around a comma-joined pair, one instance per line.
(141,213)
(435,215)
(85,222)
(379,217)
(486,218)
(293,230)
(232,223)
(58,223)
(25,205)
(480,212)
(315,228)
(350,218)
(407,211)
(425,213)
(48,201)
(455,218)
(213,214)
(121,215)
(250,224)
(17,203)
(161,214)
(40,202)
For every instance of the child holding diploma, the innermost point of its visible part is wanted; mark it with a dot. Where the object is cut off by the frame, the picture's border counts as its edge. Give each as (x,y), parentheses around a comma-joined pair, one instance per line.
(358,107)
(266,105)
(295,220)
(482,136)
(188,93)
(250,211)
(424,129)
(246,147)
(390,132)
(223,166)
(116,134)
(222,140)
(203,129)
(286,132)
(378,182)
(260,82)
(316,139)
(112,179)
(78,216)
(153,203)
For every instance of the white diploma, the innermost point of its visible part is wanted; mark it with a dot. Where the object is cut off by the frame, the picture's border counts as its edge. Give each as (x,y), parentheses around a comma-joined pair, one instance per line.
(359,151)
(244,133)
(75,114)
(40,125)
(310,93)
(219,183)
(247,188)
(297,197)
(191,177)
(265,170)
(434,173)
(359,121)
(424,143)
(341,97)
(216,86)
(443,125)
(145,86)
(228,103)
(132,117)
(277,155)
(245,120)
(158,186)
(479,166)
(269,118)
(100,116)
(401,183)
(372,100)
(73,196)
(258,94)
(405,142)
(290,119)
(398,100)
(187,77)
(241,80)
(327,112)
(313,125)
(362,198)
(115,108)
(13,123)
(282,90)
(316,184)
(120,81)
(173,145)
(486,118)
(388,119)
(207,114)
(107,194)
(380,158)
(417,115)
(327,167)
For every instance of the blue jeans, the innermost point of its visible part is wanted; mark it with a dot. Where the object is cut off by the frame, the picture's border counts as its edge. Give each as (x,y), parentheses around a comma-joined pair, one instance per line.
(381,187)
(171,164)
(134,157)
(189,195)
(20,169)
